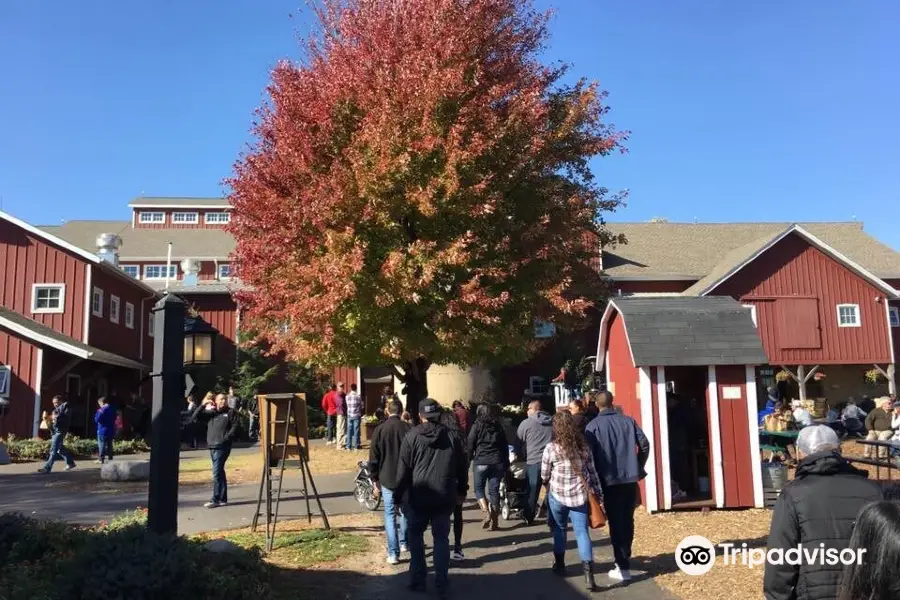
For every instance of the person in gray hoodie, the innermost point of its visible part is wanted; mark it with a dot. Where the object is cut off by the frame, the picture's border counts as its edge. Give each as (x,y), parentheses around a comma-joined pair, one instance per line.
(533,436)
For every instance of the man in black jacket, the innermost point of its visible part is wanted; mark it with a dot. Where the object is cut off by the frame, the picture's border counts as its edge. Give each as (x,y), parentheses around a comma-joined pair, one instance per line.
(384,456)
(818,507)
(431,478)
(62,419)
(620,450)
(222,426)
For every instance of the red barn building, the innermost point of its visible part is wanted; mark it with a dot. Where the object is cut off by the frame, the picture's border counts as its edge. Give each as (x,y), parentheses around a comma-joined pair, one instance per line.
(70,322)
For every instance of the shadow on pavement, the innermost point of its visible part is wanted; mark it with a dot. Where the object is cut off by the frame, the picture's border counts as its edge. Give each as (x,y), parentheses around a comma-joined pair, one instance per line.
(527,584)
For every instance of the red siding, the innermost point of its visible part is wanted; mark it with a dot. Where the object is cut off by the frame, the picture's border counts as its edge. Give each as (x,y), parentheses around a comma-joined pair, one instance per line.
(168,224)
(793,268)
(735,432)
(649,287)
(116,337)
(623,376)
(26,260)
(220,311)
(21,356)
(345,375)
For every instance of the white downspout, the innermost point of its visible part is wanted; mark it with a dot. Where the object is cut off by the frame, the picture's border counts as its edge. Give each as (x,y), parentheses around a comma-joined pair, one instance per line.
(168,264)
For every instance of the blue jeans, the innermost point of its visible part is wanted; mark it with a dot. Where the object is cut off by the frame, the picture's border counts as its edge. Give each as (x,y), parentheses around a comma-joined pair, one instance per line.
(57,450)
(560,515)
(533,477)
(353,424)
(105,446)
(220,482)
(440,533)
(390,523)
(490,476)
(329,427)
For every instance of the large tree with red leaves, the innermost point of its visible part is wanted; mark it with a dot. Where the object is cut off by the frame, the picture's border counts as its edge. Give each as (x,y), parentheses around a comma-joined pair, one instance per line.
(419,191)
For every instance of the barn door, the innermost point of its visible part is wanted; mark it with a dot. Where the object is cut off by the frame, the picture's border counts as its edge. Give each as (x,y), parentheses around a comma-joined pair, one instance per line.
(798,323)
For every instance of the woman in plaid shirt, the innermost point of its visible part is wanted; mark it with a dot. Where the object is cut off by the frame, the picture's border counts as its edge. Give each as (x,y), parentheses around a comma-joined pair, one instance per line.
(566,468)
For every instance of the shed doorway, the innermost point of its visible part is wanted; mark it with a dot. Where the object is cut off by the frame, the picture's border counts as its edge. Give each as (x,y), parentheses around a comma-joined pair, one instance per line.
(689,447)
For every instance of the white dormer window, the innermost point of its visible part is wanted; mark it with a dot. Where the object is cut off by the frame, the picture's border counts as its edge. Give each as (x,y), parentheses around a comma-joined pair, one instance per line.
(894,313)
(752,308)
(97,302)
(129,315)
(185,218)
(225,271)
(48,297)
(218,218)
(848,315)
(159,271)
(114,305)
(152,217)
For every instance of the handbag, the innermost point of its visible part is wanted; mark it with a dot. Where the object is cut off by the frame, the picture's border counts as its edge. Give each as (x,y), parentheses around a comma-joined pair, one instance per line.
(596,513)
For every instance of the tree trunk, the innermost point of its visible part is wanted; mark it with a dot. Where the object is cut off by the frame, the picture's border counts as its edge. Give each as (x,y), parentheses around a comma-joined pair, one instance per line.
(415,385)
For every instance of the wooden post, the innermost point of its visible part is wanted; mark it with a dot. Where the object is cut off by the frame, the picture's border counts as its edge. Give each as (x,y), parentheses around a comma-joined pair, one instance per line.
(168,400)
(890,375)
(801,377)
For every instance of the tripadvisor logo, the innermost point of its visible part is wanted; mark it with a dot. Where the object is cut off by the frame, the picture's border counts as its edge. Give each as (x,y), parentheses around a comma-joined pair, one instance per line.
(696,555)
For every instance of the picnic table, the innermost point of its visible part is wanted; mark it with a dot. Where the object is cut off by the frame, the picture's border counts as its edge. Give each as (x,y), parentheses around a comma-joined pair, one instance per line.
(777,442)
(878,462)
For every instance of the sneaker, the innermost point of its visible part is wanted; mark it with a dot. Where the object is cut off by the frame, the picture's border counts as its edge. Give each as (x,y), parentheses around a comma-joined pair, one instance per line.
(211,505)
(223,503)
(99,461)
(43,470)
(619,574)
(392,560)
(70,467)
(457,555)
(404,548)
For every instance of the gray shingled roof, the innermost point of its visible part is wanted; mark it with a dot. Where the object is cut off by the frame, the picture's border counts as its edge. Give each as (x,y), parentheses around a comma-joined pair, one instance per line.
(142,243)
(202,287)
(693,250)
(166,201)
(690,331)
(654,250)
(95,354)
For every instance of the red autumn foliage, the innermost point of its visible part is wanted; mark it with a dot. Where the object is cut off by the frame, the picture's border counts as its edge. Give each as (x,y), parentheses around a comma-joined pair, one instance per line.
(419,188)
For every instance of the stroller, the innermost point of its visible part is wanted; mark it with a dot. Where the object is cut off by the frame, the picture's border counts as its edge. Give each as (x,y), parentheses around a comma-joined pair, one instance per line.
(513,490)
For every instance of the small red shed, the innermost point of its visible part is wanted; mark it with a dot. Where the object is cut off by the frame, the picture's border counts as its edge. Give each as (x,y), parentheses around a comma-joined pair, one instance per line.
(684,369)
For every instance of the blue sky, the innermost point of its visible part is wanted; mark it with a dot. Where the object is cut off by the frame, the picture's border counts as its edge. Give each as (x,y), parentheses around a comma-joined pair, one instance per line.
(738,110)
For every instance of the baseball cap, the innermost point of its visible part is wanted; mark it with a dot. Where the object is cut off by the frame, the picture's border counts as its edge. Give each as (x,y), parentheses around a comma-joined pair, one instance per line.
(817,438)
(429,408)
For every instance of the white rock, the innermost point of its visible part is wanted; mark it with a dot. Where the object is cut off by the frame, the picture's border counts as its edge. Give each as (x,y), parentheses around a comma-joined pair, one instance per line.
(222,546)
(4,455)
(125,470)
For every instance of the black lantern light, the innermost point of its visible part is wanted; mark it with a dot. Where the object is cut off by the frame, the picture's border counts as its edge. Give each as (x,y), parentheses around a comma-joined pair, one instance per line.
(199,342)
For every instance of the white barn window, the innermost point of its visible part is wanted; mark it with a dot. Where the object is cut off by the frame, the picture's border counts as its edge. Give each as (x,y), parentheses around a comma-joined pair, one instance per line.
(48,298)
(848,315)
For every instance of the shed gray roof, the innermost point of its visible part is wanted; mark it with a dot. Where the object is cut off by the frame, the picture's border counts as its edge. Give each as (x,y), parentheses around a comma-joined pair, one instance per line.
(689,331)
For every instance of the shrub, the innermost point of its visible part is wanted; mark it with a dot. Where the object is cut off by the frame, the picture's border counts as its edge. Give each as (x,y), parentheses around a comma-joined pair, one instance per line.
(56,561)
(37,449)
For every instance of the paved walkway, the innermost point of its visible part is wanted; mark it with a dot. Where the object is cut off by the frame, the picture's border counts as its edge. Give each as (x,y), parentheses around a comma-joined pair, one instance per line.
(24,490)
(513,564)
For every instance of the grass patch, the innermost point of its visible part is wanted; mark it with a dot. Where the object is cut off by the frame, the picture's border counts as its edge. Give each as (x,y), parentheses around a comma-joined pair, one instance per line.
(303,549)
(246,468)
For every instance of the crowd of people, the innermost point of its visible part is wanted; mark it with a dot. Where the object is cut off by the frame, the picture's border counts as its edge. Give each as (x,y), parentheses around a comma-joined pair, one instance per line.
(589,450)
(343,417)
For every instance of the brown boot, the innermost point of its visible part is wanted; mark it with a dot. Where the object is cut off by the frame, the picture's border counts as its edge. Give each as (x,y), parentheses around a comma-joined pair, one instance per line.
(485,513)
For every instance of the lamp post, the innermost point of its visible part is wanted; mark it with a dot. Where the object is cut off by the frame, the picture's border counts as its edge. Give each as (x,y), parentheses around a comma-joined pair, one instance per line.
(179,342)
